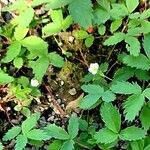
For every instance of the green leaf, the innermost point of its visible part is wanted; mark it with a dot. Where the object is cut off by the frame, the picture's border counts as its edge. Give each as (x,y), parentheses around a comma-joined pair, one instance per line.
(93,89)
(111,117)
(80,34)
(145,14)
(101,29)
(134,49)
(12,133)
(132,134)
(20,33)
(40,67)
(1,146)
(13,51)
(56,145)
(147,147)
(56,132)
(118,11)
(115,25)
(57,4)
(105,136)
(142,74)
(133,105)
(67,22)
(5,78)
(37,134)
(50,29)
(144,117)
(81,12)
(105,4)
(101,16)
(56,60)
(68,145)
(18,62)
(73,127)
(57,16)
(108,96)
(29,123)
(25,17)
(88,101)
(132,5)
(139,62)
(137,145)
(21,142)
(120,74)
(35,45)
(116,38)
(146,45)
(125,88)
(146,93)
(89,41)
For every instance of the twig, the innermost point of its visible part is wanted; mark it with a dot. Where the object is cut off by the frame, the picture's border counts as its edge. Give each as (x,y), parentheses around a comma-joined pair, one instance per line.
(55,103)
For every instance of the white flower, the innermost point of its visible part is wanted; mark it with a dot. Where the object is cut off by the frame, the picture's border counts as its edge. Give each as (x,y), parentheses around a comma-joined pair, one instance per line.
(34,83)
(93,68)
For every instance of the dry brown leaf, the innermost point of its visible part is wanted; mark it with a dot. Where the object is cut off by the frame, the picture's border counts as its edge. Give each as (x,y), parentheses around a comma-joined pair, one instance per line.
(74,104)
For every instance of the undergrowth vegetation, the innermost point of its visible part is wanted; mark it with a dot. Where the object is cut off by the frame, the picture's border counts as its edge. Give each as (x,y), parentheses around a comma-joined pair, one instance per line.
(99,47)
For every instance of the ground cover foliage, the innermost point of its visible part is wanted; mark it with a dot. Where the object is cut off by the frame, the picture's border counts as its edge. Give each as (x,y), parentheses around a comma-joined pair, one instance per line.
(98,51)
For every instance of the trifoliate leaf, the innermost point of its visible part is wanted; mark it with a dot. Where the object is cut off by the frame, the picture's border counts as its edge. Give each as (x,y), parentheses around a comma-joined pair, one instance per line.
(81,12)
(105,136)
(133,105)
(108,96)
(111,117)
(21,142)
(146,93)
(146,45)
(35,45)
(18,62)
(125,88)
(131,5)
(68,145)
(139,62)
(144,117)
(40,67)
(37,134)
(88,101)
(20,33)
(134,49)
(56,60)
(132,134)
(5,78)
(25,17)
(73,127)
(56,132)
(12,133)
(13,51)
(115,25)
(29,123)
(116,38)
